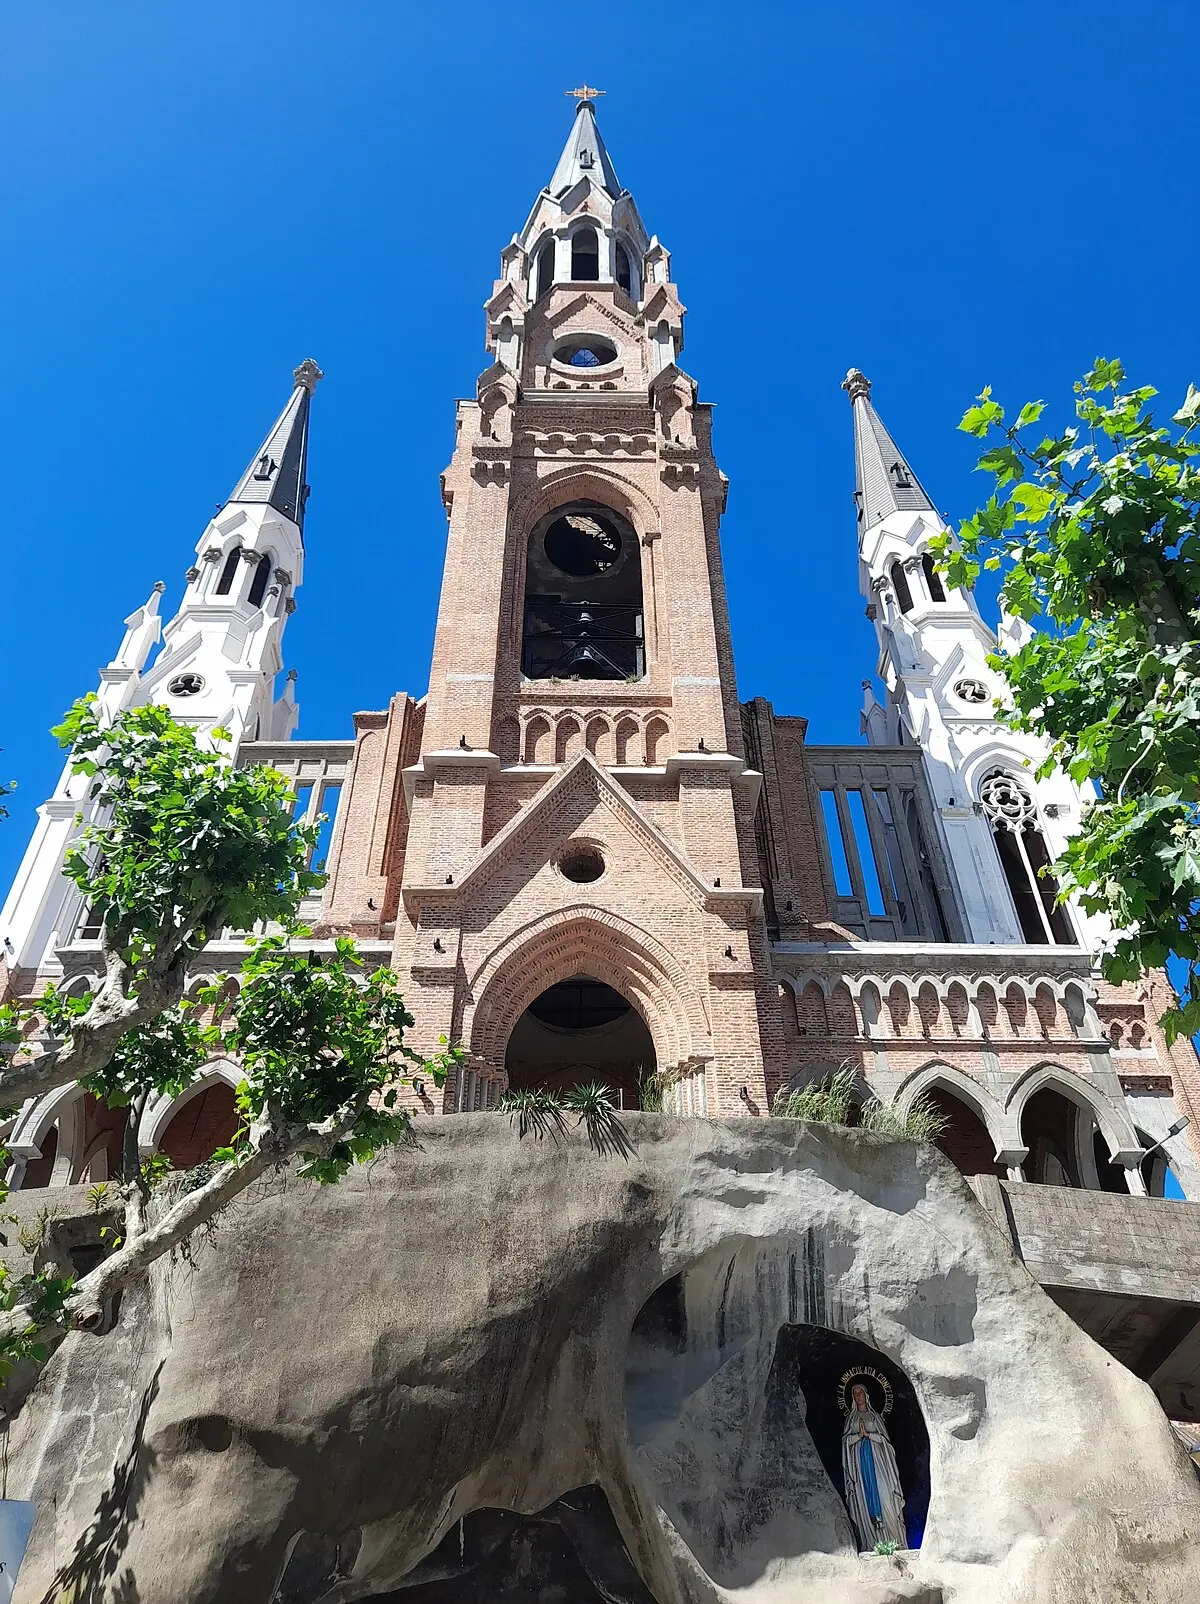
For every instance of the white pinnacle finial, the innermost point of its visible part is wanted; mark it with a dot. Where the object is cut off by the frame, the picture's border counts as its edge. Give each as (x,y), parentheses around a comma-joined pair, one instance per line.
(585,93)
(307,374)
(857,384)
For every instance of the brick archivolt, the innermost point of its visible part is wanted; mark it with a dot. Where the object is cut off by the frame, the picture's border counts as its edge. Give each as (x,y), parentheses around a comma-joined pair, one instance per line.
(532,502)
(597,943)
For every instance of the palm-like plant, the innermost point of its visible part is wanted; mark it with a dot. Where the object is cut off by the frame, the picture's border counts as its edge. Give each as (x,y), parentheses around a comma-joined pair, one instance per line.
(598,1113)
(534,1110)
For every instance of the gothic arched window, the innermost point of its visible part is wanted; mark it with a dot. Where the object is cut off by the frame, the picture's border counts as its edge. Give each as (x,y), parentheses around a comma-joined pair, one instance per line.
(545,267)
(624,271)
(900,585)
(228,573)
(1009,808)
(933,580)
(585,255)
(258,585)
(583,596)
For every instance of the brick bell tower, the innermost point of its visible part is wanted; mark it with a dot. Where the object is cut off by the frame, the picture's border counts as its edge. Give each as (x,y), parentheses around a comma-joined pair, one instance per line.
(572,872)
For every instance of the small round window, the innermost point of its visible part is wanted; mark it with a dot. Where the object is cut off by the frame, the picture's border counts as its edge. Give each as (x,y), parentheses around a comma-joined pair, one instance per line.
(585,351)
(186,685)
(583,864)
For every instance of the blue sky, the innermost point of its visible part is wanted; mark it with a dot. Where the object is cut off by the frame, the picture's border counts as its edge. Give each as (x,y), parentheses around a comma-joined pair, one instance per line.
(195,198)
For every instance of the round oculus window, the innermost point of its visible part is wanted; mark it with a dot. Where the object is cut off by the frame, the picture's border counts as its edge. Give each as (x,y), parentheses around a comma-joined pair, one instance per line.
(582,864)
(585,351)
(971,690)
(185,685)
(580,543)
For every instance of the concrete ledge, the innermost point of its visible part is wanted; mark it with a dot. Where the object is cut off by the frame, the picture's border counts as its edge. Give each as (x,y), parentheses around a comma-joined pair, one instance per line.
(1106,1242)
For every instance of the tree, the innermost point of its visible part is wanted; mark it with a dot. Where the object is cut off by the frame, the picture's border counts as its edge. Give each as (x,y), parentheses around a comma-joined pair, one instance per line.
(189,846)
(1095,532)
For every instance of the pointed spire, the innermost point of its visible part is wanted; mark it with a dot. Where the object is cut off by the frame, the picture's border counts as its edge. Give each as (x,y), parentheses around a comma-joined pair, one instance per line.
(584,154)
(885,482)
(277,474)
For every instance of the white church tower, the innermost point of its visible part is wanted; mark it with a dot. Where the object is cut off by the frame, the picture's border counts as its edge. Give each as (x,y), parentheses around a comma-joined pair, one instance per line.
(1000,823)
(217,666)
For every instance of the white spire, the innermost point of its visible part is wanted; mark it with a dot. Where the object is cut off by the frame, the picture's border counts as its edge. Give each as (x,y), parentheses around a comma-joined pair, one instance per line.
(941,691)
(220,655)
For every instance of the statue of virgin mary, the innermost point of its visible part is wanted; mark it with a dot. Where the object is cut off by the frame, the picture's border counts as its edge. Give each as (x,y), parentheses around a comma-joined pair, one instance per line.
(873,1492)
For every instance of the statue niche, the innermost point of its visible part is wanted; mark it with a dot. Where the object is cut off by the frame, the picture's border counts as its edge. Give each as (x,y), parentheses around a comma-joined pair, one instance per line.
(865,1421)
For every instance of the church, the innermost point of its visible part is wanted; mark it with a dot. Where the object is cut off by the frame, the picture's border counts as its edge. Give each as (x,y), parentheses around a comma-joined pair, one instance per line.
(589,861)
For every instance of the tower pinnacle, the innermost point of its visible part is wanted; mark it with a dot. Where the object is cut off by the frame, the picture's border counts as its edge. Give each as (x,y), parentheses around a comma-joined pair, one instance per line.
(584,155)
(276,474)
(885,482)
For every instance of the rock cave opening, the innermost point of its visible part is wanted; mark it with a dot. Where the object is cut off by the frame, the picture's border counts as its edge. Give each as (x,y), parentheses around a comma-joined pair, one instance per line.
(577,1032)
(764,1441)
(571,1552)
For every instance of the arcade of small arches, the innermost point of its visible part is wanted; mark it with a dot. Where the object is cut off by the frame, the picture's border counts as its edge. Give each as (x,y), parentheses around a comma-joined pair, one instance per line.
(586,252)
(623,738)
(1051,1125)
(916,1007)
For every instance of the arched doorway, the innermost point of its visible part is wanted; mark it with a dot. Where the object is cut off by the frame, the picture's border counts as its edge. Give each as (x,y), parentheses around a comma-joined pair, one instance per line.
(965,1139)
(578,1031)
(200,1126)
(1049,1126)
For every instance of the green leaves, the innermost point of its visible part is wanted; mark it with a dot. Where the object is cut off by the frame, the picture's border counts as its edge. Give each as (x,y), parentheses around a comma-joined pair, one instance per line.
(977,420)
(189,844)
(322,1045)
(1004,462)
(1094,530)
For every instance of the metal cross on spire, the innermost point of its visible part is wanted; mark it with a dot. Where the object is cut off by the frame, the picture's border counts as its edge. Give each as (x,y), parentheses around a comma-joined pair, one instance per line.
(585,92)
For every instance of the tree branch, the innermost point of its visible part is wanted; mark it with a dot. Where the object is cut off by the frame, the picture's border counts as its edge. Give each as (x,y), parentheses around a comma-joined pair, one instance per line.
(273,1144)
(124,1001)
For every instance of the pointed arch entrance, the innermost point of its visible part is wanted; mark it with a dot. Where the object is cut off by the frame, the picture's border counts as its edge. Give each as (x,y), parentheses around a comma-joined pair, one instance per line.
(608,953)
(576,1032)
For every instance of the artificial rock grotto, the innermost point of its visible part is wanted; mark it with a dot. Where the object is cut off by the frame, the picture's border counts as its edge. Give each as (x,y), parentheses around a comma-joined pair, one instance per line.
(743,1359)
(491,1368)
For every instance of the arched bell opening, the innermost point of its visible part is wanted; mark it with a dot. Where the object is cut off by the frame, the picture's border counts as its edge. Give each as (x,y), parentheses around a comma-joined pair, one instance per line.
(585,256)
(577,1032)
(583,597)
(544,270)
